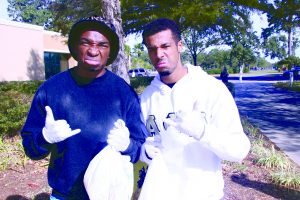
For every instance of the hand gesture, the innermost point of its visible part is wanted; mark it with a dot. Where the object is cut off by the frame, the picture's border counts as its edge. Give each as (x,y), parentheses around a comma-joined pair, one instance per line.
(56,130)
(190,123)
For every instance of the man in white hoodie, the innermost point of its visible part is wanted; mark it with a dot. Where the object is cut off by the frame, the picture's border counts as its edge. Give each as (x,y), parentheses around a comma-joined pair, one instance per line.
(199,108)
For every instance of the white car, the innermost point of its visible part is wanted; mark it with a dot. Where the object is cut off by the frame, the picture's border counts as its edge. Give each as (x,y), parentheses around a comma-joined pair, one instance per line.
(138,72)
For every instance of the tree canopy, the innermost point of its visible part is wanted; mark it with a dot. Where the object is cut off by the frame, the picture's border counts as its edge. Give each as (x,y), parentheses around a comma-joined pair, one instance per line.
(283,15)
(275,47)
(203,13)
(196,42)
(205,22)
(226,19)
(36,12)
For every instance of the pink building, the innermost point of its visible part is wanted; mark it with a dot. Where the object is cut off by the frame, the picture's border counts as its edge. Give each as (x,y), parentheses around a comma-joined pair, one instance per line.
(28,52)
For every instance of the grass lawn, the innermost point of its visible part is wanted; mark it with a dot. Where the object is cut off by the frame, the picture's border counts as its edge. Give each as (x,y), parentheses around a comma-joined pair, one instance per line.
(261,72)
(258,73)
(295,87)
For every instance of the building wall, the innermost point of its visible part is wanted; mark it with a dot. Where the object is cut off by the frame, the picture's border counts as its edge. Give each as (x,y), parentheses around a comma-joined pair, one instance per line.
(22,51)
(54,42)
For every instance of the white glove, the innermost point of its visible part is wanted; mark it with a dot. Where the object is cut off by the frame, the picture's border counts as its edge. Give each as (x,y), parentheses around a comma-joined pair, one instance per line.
(56,130)
(150,149)
(190,123)
(118,136)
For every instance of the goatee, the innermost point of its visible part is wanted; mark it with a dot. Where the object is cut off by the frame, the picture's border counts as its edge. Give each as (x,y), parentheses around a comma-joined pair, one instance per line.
(164,73)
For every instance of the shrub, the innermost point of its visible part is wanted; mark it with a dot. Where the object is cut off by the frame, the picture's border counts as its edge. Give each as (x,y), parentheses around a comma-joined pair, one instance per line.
(26,87)
(214,71)
(13,109)
(15,100)
(140,83)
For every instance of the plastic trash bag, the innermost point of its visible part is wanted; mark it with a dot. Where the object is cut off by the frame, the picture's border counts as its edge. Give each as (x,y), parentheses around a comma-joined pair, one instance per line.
(156,180)
(185,170)
(165,177)
(109,176)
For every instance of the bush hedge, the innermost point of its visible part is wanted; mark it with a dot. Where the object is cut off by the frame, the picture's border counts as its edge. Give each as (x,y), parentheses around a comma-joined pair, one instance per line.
(15,100)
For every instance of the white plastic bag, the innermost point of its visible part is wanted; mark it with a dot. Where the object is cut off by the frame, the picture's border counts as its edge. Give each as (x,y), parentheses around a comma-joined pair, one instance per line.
(109,176)
(164,178)
(156,181)
(185,170)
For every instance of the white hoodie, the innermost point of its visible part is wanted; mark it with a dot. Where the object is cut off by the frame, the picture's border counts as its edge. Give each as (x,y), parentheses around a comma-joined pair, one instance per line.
(223,138)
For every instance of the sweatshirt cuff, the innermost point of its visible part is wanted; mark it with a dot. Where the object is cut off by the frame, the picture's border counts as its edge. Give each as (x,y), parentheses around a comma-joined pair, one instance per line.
(41,142)
(208,135)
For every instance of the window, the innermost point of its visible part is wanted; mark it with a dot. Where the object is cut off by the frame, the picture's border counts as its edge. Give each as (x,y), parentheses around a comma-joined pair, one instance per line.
(52,64)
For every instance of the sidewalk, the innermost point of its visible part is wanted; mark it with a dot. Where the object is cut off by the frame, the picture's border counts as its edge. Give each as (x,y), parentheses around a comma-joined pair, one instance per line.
(275,111)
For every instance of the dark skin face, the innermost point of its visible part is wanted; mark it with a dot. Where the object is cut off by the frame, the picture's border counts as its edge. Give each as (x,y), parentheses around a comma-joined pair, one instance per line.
(164,53)
(93,52)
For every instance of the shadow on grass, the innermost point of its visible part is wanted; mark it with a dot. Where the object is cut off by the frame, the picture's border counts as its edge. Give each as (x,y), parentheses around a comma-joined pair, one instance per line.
(267,188)
(41,196)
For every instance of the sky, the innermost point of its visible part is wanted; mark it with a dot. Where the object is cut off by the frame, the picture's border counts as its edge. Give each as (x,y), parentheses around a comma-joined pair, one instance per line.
(3,9)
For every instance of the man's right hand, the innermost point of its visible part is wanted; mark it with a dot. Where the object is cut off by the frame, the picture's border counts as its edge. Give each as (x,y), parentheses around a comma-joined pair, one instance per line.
(56,130)
(150,149)
(190,123)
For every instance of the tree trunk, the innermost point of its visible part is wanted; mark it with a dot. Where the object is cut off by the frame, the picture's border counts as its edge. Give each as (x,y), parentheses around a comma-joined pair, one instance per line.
(194,55)
(290,42)
(112,11)
(290,39)
(293,42)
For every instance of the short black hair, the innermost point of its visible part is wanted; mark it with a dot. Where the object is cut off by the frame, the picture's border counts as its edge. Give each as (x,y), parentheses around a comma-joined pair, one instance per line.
(159,25)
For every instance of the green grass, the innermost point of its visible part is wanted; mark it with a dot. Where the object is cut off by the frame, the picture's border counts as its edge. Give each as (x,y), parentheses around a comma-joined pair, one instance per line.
(265,153)
(289,179)
(240,167)
(261,72)
(273,159)
(285,85)
(258,148)
(257,73)
(279,166)
(137,166)
(249,128)
(11,153)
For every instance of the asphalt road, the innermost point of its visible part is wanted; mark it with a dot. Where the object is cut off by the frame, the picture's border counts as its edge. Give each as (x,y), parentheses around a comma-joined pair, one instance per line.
(275,111)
